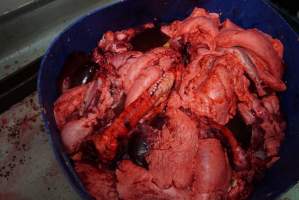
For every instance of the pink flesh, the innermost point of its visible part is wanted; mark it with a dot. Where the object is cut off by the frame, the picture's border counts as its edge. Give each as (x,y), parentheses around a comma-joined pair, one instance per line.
(68,103)
(170,161)
(145,79)
(254,41)
(74,132)
(213,171)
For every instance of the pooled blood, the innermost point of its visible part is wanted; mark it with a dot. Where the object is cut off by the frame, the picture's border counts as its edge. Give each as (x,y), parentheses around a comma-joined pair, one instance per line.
(89,153)
(149,39)
(83,74)
(137,149)
(78,69)
(241,131)
(185,54)
(158,121)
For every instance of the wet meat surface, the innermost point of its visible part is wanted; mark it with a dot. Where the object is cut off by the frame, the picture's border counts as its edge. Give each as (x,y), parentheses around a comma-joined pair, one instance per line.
(187,110)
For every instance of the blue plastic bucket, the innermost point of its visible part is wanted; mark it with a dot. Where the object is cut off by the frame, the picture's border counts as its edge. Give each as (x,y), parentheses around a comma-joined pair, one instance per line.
(84,34)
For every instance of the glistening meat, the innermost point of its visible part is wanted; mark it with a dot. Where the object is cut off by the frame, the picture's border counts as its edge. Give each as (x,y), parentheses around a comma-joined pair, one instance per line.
(156,121)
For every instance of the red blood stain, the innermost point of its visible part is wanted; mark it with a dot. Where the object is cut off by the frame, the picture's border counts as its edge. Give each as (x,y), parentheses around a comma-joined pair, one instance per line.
(4,121)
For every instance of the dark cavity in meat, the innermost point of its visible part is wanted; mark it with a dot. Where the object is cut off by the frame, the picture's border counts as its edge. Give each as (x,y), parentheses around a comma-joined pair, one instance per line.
(138,149)
(74,61)
(241,131)
(149,39)
(185,53)
(158,121)
(78,69)
(120,106)
(84,74)
(89,153)
(121,154)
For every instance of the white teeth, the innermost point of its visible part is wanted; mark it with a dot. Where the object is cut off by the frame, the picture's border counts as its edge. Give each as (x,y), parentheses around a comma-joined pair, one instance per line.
(154,88)
(156,85)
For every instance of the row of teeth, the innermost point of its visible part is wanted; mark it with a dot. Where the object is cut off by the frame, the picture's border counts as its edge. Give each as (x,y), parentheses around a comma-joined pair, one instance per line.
(156,85)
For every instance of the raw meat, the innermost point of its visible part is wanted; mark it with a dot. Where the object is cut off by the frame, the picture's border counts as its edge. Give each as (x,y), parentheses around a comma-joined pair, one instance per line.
(157,119)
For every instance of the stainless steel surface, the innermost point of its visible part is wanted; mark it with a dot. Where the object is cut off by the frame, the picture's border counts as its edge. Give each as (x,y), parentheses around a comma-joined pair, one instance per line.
(28,169)
(25,37)
(9,8)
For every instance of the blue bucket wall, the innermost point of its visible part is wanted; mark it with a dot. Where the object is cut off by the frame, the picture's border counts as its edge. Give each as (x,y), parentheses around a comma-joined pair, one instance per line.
(84,34)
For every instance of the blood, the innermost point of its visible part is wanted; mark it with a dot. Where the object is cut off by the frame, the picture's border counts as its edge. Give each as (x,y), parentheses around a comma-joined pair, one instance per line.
(185,54)
(4,121)
(78,69)
(241,131)
(149,39)
(158,121)
(138,149)
(89,153)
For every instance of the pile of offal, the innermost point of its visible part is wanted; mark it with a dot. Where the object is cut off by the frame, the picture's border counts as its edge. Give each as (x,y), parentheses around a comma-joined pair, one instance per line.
(187,110)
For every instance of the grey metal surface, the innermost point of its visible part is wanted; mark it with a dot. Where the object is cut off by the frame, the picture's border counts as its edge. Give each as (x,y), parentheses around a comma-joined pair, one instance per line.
(25,37)
(9,6)
(28,169)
